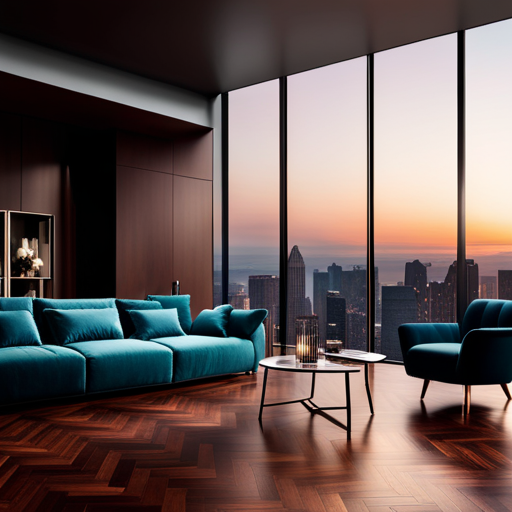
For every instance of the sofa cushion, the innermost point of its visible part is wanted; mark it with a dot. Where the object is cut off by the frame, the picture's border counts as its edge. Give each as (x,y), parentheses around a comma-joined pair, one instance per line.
(243,323)
(212,322)
(156,323)
(433,361)
(202,356)
(16,304)
(179,302)
(124,305)
(35,373)
(124,364)
(70,326)
(17,328)
(41,304)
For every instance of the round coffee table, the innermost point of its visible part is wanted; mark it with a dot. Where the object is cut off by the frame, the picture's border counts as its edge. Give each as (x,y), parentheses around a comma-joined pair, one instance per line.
(289,364)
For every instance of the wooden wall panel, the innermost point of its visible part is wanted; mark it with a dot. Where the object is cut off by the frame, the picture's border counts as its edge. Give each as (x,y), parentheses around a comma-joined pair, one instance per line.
(193,243)
(193,156)
(144,152)
(144,233)
(10,162)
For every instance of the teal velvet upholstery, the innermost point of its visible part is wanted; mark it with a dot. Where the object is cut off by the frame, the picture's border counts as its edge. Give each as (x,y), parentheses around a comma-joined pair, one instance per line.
(124,305)
(70,326)
(203,356)
(155,323)
(179,302)
(41,304)
(212,322)
(17,328)
(124,364)
(16,304)
(35,373)
(480,352)
(243,323)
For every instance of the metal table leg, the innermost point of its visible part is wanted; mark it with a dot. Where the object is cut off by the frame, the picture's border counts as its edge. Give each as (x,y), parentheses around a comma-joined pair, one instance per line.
(367,384)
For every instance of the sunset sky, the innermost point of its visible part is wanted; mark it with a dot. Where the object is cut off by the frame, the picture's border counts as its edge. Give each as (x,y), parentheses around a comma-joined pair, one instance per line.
(415,156)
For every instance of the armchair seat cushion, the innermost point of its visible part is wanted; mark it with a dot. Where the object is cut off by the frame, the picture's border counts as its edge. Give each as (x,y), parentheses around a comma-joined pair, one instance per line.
(204,356)
(124,364)
(434,361)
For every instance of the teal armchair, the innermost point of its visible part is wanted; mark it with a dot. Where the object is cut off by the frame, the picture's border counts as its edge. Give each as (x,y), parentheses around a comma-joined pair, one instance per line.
(476,352)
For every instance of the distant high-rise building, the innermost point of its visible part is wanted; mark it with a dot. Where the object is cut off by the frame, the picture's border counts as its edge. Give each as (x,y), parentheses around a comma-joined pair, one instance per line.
(416,276)
(239,301)
(336,318)
(488,287)
(334,277)
(320,287)
(296,292)
(353,289)
(505,284)
(473,280)
(398,307)
(264,294)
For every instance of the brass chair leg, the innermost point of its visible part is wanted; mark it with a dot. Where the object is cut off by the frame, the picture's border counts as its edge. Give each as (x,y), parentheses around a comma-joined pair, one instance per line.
(507,391)
(467,399)
(424,390)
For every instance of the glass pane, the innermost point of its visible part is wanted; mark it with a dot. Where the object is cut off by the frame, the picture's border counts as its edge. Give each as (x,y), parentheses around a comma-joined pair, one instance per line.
(254,202)
(415,186)
(488,167)
(327,202)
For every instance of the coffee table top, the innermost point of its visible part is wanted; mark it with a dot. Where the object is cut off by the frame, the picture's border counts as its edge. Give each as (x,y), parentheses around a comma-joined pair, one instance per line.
(289,364)
(357,356)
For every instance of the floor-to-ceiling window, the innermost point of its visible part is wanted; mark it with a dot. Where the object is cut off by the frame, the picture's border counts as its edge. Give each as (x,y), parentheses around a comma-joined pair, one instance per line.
(488,161)
(415,187)
(327,202)
(254,202)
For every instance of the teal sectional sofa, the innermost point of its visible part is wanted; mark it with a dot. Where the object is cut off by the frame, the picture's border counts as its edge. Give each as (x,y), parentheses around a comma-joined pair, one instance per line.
(52,348)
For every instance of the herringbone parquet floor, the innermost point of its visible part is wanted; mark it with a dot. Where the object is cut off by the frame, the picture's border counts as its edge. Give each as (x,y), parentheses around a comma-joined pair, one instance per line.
(200,448)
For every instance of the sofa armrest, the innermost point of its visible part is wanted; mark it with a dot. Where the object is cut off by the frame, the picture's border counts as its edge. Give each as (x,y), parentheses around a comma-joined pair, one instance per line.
(258,338)
(419,334)
(486,356)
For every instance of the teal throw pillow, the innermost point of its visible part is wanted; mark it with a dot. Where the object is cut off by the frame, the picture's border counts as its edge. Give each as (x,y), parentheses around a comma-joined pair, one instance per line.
(157,323)
(179,302)
(73,325)
(18,329)
(16,304)
(243,323)
(212,322)
(124,306)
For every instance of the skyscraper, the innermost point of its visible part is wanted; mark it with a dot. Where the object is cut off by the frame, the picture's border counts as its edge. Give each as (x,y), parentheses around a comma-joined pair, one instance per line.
(398,307)
(488,287)
(416,276)
(336,318)
(296,292)
(335,277)
(505,284)
(320,287)
(264,294)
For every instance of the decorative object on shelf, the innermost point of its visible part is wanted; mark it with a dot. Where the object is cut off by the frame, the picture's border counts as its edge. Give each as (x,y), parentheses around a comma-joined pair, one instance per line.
(306,333)
(175,288)
(27,262)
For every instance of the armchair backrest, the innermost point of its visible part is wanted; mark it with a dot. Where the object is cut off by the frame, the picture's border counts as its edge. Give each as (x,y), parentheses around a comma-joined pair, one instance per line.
(487,313)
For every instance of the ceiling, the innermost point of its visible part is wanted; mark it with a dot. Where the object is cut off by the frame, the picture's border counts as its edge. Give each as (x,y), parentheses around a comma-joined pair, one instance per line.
(214,46)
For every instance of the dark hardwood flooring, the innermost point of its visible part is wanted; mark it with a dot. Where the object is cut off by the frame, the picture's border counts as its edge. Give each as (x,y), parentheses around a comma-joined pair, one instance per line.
(200,448)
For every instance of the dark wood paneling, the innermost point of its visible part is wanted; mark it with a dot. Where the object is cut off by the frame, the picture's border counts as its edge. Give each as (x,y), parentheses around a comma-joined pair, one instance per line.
(10,162)
(193,156)
(193,253)
(144,152)
(144,233)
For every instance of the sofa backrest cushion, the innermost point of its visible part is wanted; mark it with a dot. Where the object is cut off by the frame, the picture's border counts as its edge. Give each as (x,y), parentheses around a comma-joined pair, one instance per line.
(179,302)
(157,323)
(243,323)
(17,328)
(74,325)
(212,322)
(64,304)
(125,305)
(487,313)
(16,304)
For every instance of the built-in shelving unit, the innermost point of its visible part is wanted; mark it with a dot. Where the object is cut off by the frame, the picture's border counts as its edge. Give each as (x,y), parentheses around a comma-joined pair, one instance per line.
(29,242)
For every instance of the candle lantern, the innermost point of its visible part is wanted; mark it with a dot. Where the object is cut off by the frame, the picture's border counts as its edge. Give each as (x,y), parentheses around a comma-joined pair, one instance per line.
(306,332)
